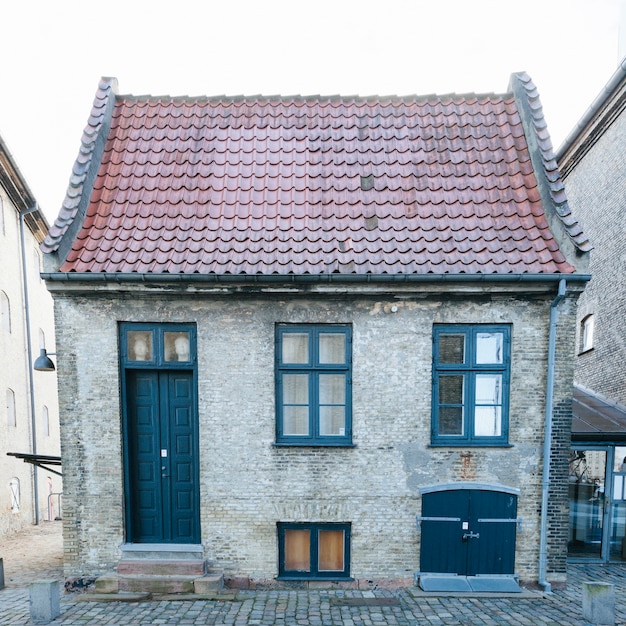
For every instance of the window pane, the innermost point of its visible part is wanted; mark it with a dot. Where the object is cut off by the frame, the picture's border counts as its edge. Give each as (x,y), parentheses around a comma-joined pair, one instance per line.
(296,420)
(451,348)
(139,345)
(295,348)
(488,402)
(488,421)
(298,550)
(588,333)
(488,389)
(296,389)
(176,346)
(451,389)
(333,420)
(489,347)
(332,389)
(330,551)
(451,420)
(332,348)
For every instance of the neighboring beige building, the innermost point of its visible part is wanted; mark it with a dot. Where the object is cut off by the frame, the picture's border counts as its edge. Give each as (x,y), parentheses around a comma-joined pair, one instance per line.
(29,420)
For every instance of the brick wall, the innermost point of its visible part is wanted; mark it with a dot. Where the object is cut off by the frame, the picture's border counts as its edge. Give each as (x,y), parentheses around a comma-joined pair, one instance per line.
(595,190)
(248,484)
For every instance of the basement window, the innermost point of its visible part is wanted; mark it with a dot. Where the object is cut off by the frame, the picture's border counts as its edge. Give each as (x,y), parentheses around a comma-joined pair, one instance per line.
(314,551)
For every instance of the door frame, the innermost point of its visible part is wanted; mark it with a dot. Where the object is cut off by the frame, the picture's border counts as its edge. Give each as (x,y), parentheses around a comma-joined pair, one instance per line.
(470,486)
(156,361)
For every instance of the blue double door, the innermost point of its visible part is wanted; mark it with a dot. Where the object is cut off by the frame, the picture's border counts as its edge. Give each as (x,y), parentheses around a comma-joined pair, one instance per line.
(162,474)
(468,532)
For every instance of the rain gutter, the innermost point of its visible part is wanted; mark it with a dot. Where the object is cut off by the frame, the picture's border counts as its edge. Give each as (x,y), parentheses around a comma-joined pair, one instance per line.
(547,438)
(29,352)
(136,277)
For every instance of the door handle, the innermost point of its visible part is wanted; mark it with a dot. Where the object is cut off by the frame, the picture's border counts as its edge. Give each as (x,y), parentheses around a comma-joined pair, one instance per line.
(470,535)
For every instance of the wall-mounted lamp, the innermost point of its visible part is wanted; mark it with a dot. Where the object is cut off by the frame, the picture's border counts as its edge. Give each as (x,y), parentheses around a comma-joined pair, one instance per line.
(43,363)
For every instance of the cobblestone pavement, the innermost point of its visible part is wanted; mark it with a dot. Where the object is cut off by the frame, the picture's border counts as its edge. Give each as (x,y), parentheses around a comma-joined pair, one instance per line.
(36,553)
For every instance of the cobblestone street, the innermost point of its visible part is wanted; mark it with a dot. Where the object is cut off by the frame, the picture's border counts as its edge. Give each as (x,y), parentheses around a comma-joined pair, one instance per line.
(36,554)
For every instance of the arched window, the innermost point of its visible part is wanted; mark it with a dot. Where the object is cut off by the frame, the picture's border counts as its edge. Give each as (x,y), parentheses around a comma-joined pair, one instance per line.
(46,421)
(42,339)
(11,417)
(14,494)
(586,333)
(5,312)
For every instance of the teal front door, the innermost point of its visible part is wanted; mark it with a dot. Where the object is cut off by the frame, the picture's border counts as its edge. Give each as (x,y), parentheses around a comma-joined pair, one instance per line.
(162,465)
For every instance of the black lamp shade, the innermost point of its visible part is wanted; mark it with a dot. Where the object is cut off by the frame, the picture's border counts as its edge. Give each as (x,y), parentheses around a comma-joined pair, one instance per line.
(43,362)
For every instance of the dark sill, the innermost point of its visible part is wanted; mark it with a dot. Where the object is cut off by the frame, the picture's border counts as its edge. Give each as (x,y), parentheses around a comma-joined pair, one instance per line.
(316,578)
(587,351)
(469,444)
(311,444)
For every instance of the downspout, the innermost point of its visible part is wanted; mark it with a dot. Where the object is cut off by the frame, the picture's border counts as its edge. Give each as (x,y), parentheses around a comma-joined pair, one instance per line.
(547,438)
(29,352)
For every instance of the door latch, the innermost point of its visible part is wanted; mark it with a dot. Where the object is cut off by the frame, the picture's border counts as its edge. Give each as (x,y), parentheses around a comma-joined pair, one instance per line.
(471,535)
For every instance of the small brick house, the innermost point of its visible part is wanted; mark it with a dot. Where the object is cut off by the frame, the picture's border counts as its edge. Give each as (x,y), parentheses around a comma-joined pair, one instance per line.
(317,340)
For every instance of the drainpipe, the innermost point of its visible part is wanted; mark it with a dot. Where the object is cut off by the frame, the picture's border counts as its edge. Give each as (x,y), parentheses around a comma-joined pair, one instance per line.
(30,360)
(547,438)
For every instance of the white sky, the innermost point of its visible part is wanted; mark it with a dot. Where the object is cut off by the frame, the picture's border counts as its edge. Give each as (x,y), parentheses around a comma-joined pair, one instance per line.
(55,51)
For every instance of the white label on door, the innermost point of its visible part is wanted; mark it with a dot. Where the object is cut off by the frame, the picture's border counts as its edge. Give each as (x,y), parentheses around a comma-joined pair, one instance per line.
(163,454)
(465,526)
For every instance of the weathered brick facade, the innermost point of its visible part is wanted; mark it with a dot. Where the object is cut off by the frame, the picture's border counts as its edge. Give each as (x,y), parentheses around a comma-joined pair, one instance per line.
(248,484)
(595,170)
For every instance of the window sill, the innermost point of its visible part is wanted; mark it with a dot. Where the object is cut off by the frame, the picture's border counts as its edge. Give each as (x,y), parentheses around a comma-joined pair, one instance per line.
(311,444)
(469,444)
(585,351)
(317,578)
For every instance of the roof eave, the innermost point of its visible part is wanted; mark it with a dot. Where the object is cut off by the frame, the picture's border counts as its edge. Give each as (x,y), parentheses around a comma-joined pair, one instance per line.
(119,278)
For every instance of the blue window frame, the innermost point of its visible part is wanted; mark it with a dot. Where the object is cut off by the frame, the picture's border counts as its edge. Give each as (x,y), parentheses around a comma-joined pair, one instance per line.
(152,346)
(471,372)
(314,550)
(313,385)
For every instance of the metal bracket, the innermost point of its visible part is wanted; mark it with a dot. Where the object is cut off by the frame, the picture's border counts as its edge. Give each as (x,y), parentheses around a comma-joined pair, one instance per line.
(419,519)
(512,520)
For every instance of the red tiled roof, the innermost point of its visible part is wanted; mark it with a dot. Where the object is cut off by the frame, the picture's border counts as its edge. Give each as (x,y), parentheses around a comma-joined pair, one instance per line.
(271,185)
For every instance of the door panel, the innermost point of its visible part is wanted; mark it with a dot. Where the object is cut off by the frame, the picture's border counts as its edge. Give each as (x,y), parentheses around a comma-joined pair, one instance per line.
(442,549)
(163,498)
(493,514)
(144,470)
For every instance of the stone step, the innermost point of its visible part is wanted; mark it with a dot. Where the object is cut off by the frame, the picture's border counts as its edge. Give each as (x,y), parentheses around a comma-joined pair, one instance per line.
(208,583)
(157,584)
(161,551)
(113,583)
(162,567)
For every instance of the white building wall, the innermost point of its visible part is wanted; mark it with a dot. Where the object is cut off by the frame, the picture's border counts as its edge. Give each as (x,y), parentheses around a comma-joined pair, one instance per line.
(14,376)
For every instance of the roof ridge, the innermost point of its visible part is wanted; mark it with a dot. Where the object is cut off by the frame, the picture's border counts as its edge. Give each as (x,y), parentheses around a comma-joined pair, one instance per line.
(313,97)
